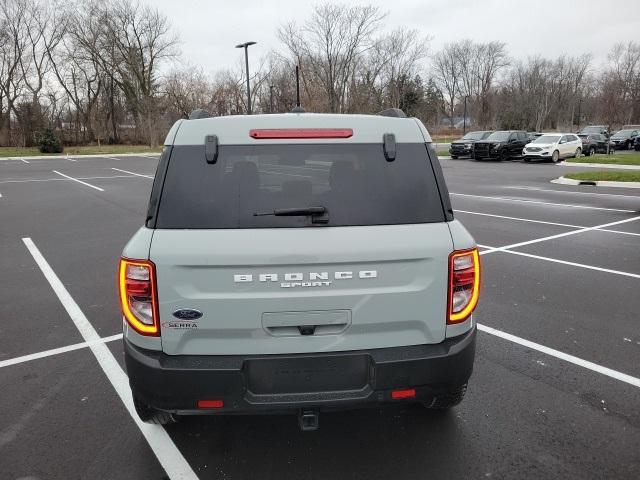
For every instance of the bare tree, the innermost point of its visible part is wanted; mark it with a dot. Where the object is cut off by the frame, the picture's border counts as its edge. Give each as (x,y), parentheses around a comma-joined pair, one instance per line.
(447,76)
(187,89)
(136,40)
(329,44)
(13,48)
(624,60)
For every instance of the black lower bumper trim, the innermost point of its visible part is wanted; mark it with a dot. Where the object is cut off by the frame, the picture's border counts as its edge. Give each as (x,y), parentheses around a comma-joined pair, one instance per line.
(260,383)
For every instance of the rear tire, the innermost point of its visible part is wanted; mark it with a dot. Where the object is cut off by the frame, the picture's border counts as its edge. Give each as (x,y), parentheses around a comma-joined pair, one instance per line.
(592,151)
(454,157)
(148,414)
(448,400)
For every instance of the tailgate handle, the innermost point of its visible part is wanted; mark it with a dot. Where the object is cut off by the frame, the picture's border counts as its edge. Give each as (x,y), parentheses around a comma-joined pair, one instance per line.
(306,330)
(313,323)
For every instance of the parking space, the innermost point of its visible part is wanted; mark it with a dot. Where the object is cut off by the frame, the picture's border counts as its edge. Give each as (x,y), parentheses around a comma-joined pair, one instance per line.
(565,405)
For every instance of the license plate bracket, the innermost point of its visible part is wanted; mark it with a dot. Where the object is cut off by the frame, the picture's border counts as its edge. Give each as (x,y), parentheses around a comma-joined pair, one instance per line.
(292,375)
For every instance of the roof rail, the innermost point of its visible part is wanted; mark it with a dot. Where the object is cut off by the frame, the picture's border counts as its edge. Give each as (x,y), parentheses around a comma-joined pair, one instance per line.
(199,113)
(393,112)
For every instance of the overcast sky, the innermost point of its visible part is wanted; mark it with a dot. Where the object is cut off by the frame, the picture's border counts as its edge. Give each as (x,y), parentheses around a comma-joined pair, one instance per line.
(209,29)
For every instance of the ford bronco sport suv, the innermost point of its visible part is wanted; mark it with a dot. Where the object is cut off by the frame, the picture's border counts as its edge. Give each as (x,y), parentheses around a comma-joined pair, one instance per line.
(298,263)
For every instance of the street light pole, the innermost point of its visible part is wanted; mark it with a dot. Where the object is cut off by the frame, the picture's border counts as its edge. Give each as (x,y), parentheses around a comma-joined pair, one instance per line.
(464,118)
(246,46)
(270,98)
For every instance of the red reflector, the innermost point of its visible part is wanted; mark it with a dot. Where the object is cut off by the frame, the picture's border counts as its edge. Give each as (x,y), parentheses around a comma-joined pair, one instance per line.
(276,133)
(210,404)
(409,393)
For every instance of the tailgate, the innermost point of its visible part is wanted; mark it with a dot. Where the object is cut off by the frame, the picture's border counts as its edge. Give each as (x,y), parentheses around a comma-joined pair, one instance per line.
(301,290)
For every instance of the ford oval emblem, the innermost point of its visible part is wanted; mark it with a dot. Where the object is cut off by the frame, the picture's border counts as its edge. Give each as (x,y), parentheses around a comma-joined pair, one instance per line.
(187,314)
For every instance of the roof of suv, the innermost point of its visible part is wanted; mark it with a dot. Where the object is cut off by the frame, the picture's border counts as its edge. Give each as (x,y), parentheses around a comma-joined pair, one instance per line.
(234,130)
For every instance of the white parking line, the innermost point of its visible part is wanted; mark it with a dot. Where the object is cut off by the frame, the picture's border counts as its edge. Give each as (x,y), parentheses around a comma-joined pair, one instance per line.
(537,189)
(63,179)
(79,181)
(557,260)
(174,464)
(623,377)
(23,160)
(132,173)
(56,351)
(561,235)
(518,218)
(543,222)
(537,202)
(71,159)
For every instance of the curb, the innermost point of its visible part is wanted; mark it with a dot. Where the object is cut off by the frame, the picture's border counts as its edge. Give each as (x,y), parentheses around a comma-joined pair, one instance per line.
(93,155)
(599,165)
(599,183)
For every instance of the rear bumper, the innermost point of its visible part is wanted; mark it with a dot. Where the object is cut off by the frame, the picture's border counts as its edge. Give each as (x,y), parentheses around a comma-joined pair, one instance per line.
(262,383)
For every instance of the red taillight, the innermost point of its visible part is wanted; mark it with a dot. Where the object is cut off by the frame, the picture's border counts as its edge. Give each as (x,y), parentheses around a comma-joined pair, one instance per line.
(464,284)
(210,404)
(278,133)
(138,297)
(408,393)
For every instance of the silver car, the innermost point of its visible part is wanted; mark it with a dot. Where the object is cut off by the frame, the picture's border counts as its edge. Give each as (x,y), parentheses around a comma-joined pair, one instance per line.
(298,263)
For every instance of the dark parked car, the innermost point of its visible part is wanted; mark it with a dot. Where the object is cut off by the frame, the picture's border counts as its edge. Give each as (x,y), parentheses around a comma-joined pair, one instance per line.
(464,146)
(501,145)
(599,129)
(624,139)
(593,143)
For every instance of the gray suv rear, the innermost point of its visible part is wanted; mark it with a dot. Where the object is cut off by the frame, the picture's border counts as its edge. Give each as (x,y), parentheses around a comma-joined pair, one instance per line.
(297,263)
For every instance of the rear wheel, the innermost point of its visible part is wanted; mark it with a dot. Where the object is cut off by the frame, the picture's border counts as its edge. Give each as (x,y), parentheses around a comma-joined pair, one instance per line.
(448,400)
(578,153)
(148,414)
(455,157)
(555,158)
(592,151)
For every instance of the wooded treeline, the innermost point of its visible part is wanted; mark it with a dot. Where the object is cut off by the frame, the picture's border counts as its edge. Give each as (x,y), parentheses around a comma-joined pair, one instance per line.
(110,71)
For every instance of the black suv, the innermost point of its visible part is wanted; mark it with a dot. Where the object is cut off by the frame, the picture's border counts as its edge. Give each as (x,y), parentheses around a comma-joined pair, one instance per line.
(464,146)
(593,143)
(624,139)
(501,145)
(598,129)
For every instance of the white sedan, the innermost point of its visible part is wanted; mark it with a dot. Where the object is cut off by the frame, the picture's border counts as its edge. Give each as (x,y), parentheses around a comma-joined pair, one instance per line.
(553,147)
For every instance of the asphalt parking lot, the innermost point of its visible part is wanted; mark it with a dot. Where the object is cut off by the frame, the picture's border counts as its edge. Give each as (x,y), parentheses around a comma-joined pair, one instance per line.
(555,391)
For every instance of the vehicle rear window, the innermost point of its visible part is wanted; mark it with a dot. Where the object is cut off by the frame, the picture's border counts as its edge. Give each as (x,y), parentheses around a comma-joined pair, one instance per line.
(499,136)
(475,136)
(354,182)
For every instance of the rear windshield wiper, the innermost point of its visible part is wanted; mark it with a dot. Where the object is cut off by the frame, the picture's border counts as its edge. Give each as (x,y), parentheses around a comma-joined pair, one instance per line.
(318,214)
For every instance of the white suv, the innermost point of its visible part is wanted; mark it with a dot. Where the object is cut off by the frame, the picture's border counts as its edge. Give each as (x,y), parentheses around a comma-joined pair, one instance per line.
(553,147)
